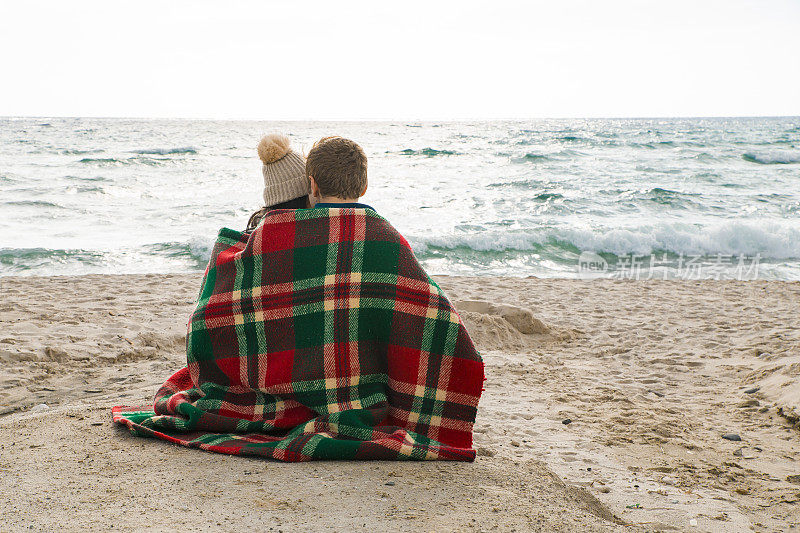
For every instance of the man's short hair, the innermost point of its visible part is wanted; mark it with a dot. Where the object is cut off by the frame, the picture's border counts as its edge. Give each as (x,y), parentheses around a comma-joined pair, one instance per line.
(339,166)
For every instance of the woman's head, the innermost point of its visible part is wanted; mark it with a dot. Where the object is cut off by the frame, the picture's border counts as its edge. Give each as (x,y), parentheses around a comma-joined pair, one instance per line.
(285,183)
(283,169)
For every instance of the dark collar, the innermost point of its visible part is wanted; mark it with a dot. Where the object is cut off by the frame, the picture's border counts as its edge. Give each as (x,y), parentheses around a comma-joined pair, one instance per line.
(354,205)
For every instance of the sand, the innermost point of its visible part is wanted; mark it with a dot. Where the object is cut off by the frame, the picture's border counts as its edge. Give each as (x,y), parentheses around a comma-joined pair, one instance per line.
(650,374)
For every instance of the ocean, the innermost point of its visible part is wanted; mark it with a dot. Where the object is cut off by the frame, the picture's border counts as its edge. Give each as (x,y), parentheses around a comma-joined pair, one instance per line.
(628,198)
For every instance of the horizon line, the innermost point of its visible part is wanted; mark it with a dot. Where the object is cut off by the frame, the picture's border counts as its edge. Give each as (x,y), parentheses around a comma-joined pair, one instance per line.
(395,119)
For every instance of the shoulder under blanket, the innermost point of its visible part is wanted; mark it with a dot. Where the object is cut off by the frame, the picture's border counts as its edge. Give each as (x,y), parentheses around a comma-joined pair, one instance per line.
(319,336)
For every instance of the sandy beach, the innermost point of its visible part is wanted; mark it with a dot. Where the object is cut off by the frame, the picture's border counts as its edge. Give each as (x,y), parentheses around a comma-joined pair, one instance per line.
(609,406)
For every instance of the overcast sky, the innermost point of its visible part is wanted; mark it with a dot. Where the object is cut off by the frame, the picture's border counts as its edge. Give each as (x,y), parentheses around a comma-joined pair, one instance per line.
(431,59)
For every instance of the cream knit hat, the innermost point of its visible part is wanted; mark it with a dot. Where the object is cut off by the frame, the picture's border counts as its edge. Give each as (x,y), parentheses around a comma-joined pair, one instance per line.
(284,170)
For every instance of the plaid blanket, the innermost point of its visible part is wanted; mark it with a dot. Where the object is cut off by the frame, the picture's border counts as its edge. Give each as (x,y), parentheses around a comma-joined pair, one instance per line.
(319,336)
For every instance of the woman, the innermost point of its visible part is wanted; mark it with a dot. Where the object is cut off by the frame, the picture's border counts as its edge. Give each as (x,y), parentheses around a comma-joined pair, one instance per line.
(285,184)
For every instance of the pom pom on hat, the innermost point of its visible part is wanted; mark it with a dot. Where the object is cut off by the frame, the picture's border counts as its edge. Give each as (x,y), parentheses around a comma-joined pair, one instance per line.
(273,147)
(284,170)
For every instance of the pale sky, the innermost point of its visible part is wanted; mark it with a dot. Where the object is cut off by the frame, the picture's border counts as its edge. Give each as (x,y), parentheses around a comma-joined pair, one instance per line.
(412,60)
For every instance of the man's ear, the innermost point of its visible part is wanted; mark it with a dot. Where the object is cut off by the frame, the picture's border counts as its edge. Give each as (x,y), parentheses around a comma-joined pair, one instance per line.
(314,187)
(365,188)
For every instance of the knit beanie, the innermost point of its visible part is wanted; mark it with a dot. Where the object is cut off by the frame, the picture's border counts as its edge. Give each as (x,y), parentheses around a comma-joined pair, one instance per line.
(284,170)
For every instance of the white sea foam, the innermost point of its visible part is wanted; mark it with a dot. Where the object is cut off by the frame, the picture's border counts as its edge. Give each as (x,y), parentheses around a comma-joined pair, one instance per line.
(773,157)
(200,247)
(770,239)
(767,238)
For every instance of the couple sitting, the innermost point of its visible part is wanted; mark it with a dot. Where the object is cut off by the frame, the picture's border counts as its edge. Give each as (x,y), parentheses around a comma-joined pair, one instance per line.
(335,172)
(317,335)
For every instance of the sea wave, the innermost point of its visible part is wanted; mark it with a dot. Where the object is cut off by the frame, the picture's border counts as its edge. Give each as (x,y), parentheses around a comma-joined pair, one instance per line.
(86,189)
(197,250)
(19,260)
(540,138)
(655,170)
(33,203)
(548,196)
(166,151)
(88,178)
(531,157)
(192,254)
(517,184)
(772,158)
(769,239)
(428,152)
(671,198)
(112,161)
(79,152)
(102,161)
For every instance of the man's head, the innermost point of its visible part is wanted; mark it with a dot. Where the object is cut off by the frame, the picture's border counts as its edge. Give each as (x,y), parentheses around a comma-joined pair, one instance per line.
(337,168)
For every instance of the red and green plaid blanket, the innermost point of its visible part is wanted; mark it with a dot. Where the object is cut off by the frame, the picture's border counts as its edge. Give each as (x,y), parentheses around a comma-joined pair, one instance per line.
(319,336)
